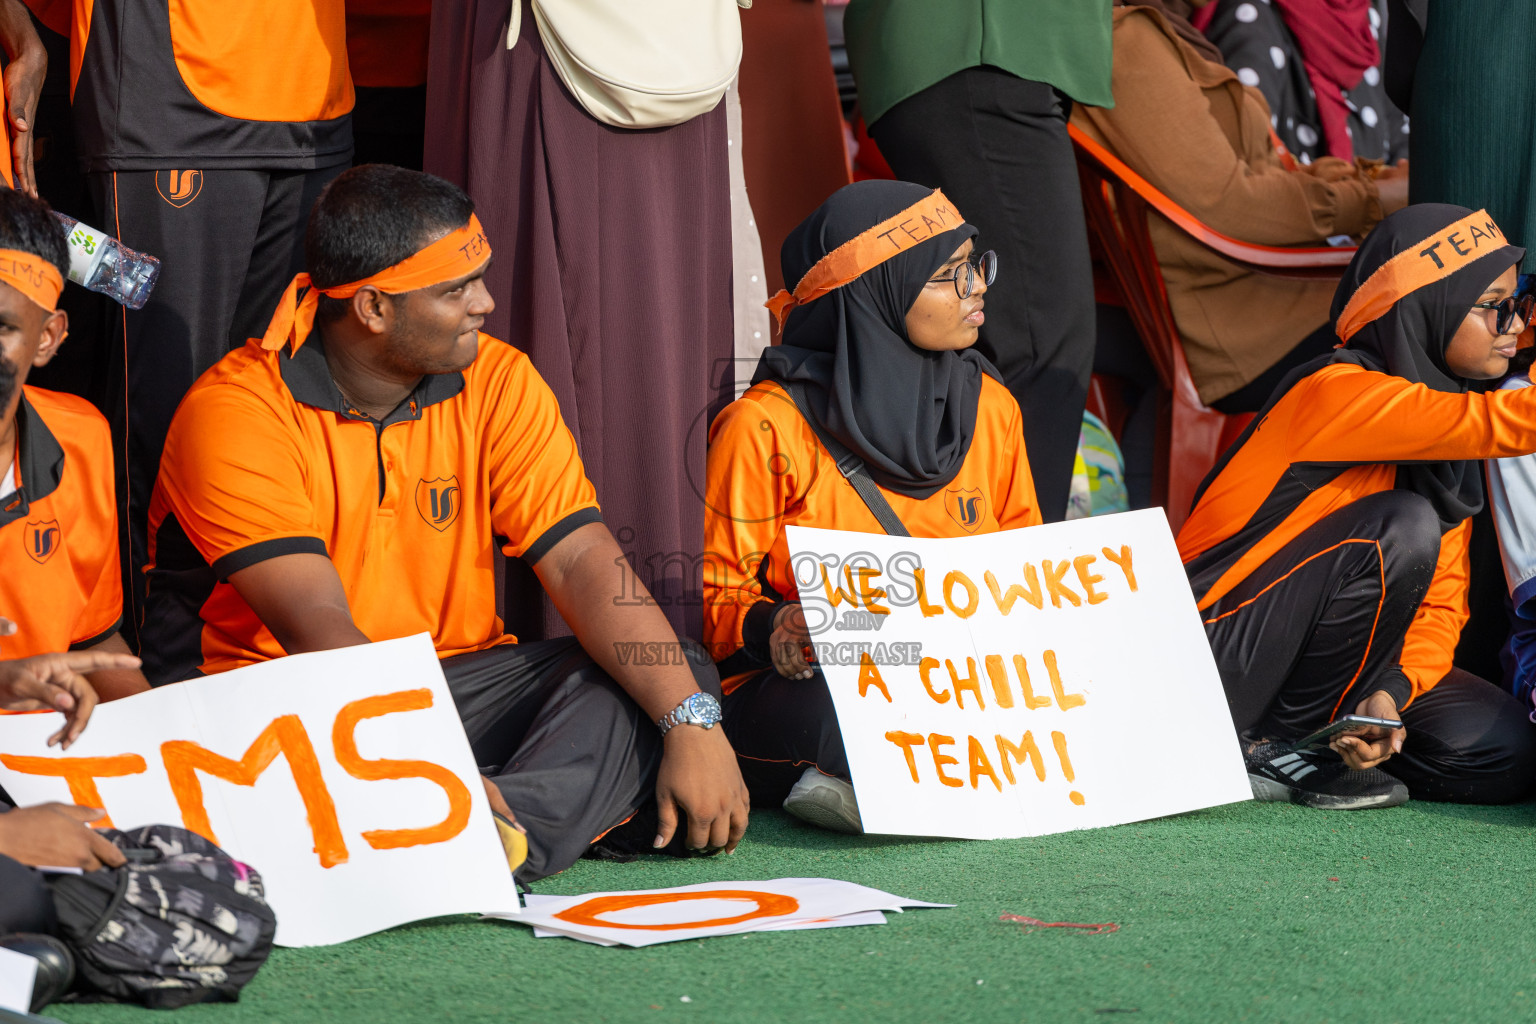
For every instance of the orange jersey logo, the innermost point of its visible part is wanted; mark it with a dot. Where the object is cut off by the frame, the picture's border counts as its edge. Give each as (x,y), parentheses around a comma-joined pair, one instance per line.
(438,502)
(178,188)
(966,506)
(43,539)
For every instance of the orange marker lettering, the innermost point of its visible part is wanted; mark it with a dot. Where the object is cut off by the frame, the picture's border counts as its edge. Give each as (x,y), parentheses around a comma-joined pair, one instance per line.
(970,682)
(1123,560)
(592,912)
(972,595)
(1024,751)
(871,594)
(980,765)
(1054,572)
(836,595)
(80,773)
(928,610)
(999,676)
(344,740)
(1004,601)
(906,741)
(924,667)
(1088,579)
(1059,740)
(869,675)
(286,736)
(935,741)
(1065,701)
(1021,667)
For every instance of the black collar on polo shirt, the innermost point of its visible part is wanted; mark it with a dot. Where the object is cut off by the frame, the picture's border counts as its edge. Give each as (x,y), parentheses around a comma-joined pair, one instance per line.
(309,380)
(40,461)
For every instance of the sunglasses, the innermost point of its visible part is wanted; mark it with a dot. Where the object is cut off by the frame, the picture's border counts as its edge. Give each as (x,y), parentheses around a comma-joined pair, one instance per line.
(1506,310)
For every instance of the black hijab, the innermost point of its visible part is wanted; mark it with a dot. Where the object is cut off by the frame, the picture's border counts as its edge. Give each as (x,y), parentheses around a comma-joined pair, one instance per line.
(907,412)
(1409,341)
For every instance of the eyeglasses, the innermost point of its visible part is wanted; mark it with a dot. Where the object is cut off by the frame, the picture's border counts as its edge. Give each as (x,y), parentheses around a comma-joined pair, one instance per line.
(1506,310)
(964,276)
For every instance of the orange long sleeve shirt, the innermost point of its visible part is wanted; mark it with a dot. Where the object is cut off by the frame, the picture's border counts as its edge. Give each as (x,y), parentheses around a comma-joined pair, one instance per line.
(766,471)
(1286,477)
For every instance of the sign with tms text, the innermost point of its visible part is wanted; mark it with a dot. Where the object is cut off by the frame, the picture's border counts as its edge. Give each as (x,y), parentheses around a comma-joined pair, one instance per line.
(343,777)
(1019,683)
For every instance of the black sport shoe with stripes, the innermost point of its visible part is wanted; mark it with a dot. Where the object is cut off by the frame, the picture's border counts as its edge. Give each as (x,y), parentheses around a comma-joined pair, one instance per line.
(1317,778)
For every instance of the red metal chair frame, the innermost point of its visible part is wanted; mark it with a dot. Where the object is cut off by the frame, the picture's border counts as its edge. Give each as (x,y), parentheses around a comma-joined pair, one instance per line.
(1117,202)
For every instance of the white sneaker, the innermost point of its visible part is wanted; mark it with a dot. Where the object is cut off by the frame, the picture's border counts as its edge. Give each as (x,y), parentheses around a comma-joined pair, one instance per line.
(825,800)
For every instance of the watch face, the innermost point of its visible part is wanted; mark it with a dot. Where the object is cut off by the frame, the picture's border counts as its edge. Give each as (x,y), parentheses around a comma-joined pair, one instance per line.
(703,708)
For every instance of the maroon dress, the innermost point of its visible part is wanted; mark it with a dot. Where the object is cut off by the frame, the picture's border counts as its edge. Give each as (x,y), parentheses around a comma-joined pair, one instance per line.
(612,271)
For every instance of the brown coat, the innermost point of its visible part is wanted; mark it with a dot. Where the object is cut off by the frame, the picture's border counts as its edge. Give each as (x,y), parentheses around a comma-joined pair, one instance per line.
(1199,135)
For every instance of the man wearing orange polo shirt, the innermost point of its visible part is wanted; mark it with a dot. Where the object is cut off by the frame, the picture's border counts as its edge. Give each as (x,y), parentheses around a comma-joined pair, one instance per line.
(350,477)
(59,577)
(206,129)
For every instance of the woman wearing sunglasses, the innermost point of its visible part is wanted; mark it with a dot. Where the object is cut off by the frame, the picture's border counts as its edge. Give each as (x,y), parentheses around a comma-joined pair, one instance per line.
(1328,548)
(876,369)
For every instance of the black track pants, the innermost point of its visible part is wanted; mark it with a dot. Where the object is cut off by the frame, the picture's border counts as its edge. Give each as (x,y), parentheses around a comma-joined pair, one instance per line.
(998,147)
(572,754)
(26,905)
(780,727)
(1319,625)
(1469,742)
(229,241)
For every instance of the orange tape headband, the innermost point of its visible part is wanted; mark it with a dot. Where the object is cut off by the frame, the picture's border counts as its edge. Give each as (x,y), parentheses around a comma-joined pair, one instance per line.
(933,215)
(456,254)
(1435,258)
(33,276)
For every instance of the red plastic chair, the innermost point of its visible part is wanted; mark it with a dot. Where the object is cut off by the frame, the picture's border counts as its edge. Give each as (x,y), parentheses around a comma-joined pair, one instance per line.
(1117,201)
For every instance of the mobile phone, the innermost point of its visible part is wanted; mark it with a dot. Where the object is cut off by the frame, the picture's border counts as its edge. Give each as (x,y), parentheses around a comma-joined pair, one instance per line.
(1346,725)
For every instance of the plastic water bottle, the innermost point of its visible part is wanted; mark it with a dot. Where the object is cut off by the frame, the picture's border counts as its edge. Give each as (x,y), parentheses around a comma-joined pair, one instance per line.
(103,264)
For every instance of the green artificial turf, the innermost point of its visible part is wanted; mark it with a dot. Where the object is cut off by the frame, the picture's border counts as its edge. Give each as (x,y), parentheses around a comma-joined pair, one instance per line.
(1228,914)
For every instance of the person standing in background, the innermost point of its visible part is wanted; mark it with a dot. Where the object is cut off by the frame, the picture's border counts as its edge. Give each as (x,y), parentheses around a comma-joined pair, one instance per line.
(613,273)
(972,96)
(205,129)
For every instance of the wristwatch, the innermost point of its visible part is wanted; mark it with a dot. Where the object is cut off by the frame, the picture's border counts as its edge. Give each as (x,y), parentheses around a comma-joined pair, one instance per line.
(700,709)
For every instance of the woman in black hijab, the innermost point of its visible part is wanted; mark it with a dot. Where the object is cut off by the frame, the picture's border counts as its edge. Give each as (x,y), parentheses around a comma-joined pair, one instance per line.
(1328,548)
(875,369)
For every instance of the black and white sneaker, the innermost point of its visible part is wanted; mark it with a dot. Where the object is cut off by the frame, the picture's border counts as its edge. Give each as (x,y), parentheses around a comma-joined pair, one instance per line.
(1318,778)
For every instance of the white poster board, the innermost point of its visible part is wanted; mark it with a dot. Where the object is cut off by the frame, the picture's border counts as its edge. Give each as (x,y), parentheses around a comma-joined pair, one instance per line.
(343,777)
(1019,683)
(646,917)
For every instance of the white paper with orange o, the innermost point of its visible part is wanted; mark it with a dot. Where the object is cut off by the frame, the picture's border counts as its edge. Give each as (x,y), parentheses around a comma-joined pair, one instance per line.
(650,916)
(343,777)
(1018,683)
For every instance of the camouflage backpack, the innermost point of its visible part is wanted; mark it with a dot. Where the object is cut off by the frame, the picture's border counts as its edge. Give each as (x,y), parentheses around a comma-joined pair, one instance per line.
(182,922)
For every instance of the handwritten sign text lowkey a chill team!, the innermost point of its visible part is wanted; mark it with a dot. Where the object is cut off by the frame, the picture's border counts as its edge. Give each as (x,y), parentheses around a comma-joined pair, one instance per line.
(1064,679)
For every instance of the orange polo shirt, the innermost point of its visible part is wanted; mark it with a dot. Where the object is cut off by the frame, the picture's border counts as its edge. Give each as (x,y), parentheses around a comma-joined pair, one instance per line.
(60,580)
(264,458)
(767,470)
(1334,438)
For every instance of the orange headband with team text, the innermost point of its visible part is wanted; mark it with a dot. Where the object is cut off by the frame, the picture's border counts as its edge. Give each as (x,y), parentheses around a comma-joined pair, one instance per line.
(33,276)
(933,215)
(456,254)
(1437,257)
